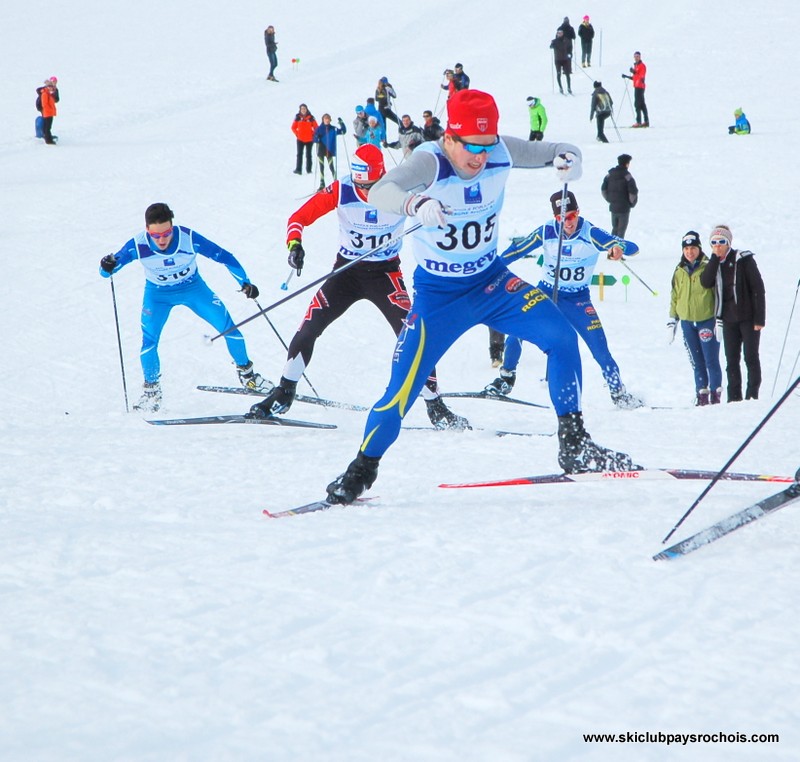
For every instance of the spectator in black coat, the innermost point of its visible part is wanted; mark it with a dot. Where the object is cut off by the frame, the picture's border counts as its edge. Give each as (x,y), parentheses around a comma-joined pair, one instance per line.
(741,307)
(460,78)
(569,33)
(562,53)
(586,33)
(619,189)
(431,127)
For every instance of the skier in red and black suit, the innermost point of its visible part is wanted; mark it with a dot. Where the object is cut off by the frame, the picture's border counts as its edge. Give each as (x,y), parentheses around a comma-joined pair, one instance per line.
(377,278)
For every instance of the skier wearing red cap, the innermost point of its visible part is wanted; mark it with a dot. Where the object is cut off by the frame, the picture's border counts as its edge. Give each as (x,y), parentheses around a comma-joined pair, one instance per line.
(376,278)
(455,188)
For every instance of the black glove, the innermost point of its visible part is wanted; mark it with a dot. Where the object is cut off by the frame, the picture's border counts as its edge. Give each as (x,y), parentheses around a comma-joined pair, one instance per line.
(108,263)
(250,291)
(296,255)
(341,123)
(537,135)
(625,76)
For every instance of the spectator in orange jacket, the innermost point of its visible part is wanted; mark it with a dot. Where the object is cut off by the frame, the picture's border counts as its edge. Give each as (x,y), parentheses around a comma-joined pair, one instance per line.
(304,126)
(49,99)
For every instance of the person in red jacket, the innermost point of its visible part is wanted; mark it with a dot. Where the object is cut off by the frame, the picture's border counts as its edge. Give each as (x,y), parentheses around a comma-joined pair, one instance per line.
(377,278)
(49,96)
(304,126)
(637,73)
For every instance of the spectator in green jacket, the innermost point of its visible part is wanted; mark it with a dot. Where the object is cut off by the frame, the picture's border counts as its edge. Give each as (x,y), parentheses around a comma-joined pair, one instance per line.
(538,117)
(695,306)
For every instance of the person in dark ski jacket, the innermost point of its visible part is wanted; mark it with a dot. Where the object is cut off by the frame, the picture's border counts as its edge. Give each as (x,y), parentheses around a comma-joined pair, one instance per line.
(272,51)
(431,127)
(569,33)
(602,108)
(460,78)
(586,33)
(325,137)
(561,46)
(384,93)
(695,306)
(620,191)
(741,308)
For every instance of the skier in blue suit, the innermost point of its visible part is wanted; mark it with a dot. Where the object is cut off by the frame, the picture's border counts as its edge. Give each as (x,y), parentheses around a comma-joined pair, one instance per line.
(455,189)
(581,247)
(168,255)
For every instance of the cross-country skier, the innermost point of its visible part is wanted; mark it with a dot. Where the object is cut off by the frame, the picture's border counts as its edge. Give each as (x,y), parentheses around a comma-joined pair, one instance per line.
(376,278)
(167,253)
(581,247)
(455,189)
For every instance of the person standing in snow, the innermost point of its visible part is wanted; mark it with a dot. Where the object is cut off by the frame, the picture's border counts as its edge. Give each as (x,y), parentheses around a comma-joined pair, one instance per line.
(384,93)
(580,245)
(360,126)
(586,33)
(272,51)
(695,306)
(602,108)
(377,278)
(409,136)
(304,126)
(167,253)
(325,137)
(620,191)
(562,55)
(741,308)
(48,96)
(450,83)
(460,77)
(538,118)
(638,72)
(454,189)
(431,127)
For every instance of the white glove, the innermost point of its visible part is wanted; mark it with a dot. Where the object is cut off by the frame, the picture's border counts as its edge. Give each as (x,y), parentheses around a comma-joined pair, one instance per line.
(568,166)
(427,210)
(672,327)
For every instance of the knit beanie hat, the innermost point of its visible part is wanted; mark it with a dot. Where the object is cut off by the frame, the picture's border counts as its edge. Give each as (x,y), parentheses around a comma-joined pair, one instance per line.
(691,238)
(571,205)
(472,112)
(722,231)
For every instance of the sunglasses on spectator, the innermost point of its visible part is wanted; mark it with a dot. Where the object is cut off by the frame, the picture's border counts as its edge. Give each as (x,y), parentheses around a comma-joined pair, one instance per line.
(569,216)
(719,241)
(476,148)
(158,236)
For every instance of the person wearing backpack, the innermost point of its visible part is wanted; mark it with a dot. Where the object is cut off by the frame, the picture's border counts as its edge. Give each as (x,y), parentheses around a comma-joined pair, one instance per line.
(602,107)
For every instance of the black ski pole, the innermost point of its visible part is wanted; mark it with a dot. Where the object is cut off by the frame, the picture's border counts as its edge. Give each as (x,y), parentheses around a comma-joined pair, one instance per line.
(788,325)
(734,456)
(316,282)
(119,343)
(562,208)
(627,267)
(280,338)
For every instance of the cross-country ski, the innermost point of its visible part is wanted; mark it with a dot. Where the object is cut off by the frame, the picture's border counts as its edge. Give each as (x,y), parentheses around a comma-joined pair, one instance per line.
(299,398)
(317,505)
(224,419)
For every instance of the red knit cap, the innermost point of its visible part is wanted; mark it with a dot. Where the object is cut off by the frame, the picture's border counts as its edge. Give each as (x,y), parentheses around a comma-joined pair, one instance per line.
(472,112)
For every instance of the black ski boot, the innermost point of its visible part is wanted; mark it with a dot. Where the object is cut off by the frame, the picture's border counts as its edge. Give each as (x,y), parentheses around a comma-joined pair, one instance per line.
(278,401)
(503,384)
(442,417)
(579,454)
(358,478)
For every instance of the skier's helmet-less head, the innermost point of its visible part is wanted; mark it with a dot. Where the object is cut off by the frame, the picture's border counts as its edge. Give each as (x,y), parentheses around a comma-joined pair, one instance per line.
(367,166)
